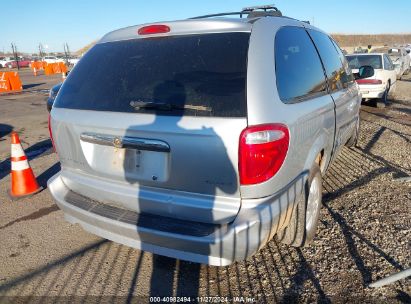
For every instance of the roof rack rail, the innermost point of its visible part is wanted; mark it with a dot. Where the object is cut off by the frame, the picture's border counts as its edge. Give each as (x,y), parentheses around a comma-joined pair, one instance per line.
(251,12)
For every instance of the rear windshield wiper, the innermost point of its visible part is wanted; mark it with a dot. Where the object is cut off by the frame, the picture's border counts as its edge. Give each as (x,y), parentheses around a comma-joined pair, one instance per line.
(137,105)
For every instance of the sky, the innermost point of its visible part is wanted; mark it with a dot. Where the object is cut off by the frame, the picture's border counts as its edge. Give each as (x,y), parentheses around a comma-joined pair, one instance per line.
(77,23)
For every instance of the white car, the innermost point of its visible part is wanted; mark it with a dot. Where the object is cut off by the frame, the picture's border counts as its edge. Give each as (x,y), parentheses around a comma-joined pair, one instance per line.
(384,80)
(51,59)
(73,61)
(4,61)
(401,61)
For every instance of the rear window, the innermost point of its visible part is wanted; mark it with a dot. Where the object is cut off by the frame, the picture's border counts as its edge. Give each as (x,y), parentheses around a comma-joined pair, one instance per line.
(200,75)
(355,62)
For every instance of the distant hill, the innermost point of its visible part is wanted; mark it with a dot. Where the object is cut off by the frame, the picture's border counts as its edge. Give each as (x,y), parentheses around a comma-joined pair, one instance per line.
(345,40)
(85,48)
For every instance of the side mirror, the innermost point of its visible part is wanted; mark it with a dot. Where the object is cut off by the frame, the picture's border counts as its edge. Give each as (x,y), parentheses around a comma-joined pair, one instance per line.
(365,71)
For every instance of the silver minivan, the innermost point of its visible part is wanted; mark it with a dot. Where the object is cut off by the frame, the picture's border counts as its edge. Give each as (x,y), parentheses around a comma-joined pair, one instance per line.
(202,139)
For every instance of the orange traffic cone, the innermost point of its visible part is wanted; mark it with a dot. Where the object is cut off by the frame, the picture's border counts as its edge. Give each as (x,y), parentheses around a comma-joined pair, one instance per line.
(35,71)
(23,181)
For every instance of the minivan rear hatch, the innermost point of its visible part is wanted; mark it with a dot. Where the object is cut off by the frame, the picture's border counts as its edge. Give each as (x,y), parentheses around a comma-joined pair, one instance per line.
(152,125)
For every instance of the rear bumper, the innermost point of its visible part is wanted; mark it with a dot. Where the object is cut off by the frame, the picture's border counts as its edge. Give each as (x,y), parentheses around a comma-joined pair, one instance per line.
(219,245)
(372,91)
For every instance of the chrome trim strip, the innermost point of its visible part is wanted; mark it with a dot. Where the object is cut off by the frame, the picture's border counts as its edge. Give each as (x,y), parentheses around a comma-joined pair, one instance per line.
(126,142)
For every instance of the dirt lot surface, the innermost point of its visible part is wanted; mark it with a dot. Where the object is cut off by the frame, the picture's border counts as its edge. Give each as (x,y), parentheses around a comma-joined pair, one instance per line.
(364,233)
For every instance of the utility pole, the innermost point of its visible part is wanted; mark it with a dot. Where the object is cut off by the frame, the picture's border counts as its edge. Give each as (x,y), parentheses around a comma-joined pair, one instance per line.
(14,50)
(41,50)
(66,52)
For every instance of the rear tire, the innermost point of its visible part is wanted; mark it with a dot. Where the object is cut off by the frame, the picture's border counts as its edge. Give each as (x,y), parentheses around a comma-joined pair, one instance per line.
(304,220)
(352,142)
(383,101)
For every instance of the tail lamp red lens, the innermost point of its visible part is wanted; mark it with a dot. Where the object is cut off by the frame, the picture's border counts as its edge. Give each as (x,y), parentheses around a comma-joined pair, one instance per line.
(154,29)
(369,81)
(51,134)
(262,152)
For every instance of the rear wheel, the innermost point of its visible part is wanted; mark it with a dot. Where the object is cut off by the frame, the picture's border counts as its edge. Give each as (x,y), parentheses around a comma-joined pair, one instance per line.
(354,138)
(383,101)
(304,220)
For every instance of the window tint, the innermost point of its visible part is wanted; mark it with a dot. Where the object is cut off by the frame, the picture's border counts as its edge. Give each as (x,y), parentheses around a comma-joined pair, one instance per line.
(334,69)
(200,75)
(298,68)
(357,61)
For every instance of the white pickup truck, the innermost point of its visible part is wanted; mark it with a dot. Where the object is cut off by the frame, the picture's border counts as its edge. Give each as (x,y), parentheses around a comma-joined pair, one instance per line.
(51,59)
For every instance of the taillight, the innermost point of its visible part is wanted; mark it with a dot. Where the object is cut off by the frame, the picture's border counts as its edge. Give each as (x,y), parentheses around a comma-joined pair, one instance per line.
(369,81)
(262,152)
(51,134)
(153,29)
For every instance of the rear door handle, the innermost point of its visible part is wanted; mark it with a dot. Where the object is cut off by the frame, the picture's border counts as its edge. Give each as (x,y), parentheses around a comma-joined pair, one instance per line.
(126,142)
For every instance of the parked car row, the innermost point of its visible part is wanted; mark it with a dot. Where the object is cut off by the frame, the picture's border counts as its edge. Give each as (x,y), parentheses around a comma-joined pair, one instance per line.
(389,64)
(202,145)
(401,61)
(52,59)
(399,57)
(11,62)
(4,61)
(22,63)
(382,82)
(67,60)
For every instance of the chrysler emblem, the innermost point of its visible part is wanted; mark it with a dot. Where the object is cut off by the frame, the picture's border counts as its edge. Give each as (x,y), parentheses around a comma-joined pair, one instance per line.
(117,142)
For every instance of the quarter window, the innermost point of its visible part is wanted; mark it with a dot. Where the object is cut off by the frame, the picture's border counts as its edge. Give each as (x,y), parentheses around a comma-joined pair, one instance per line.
(336,74)
(298,68)
(388,64)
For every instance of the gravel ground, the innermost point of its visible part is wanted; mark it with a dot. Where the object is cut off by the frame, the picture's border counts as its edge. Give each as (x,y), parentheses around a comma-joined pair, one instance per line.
(364,233)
